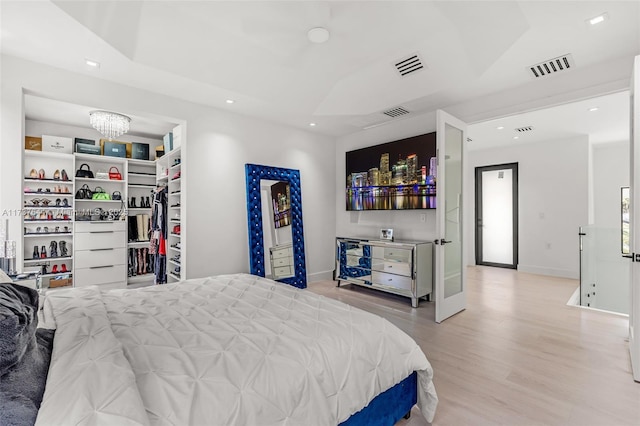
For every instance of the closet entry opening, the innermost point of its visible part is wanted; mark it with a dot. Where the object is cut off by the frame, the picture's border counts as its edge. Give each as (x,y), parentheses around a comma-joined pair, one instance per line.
(496,227)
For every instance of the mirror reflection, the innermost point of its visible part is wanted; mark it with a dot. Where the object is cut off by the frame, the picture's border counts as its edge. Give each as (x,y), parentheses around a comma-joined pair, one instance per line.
(276,225)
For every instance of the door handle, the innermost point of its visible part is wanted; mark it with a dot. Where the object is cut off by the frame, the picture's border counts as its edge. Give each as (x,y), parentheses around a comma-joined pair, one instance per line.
(441,241)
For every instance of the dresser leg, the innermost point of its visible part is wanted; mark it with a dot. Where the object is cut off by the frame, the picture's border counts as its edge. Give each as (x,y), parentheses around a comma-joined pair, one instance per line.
(338,283)
(414,302)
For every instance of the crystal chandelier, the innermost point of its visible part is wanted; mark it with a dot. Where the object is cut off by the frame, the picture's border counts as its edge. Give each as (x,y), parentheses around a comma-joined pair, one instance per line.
(110,124)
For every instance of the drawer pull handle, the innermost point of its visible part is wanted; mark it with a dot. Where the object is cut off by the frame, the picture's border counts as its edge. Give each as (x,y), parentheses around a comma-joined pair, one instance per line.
(102,249)
(101,232)
(100,267)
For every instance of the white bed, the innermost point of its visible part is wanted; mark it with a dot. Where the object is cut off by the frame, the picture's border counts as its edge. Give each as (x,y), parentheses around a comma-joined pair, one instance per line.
(232,349)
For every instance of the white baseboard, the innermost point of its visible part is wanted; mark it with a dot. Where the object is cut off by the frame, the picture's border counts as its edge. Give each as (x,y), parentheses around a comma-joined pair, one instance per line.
(574,300)
(320,276)
(562,273)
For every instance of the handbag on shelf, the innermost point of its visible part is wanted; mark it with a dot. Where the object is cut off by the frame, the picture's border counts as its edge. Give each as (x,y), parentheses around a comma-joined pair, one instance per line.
(101,174)
(84,193)
(84,173)
(114,175)
(116,195)
(100,195)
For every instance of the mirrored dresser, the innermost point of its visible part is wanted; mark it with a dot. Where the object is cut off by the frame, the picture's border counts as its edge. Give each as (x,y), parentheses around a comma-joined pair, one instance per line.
(399,267)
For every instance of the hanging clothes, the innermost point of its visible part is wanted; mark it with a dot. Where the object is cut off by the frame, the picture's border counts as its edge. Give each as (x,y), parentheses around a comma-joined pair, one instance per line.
(158,245)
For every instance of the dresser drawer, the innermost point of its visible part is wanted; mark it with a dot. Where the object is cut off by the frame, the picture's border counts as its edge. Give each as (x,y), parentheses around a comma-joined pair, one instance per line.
(86,226)
(277,253)
(284,271)
(391,280)
(100,275)
(400,255)
(282,261)
(100,257)
(398,268)
(100,240)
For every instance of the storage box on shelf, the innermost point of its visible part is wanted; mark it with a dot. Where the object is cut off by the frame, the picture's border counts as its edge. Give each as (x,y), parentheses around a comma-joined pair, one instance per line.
(141,183)
(401,267)
(48,206)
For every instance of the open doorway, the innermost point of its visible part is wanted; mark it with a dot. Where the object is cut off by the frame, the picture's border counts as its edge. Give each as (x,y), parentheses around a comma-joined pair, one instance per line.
(496,227)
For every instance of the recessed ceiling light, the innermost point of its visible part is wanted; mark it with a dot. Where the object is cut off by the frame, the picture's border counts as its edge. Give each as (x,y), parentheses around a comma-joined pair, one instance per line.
(92,63)
(598,19)
(516,137)
(318,35)
(312,124)
(593,109)
(230,101)
(500,127)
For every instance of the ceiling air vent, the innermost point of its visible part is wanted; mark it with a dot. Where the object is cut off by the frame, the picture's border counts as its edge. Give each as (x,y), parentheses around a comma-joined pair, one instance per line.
(408,65)
(523,129)
(395,112)
(552,66)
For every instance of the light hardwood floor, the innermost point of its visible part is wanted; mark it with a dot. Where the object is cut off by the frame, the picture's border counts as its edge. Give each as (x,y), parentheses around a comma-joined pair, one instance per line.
(517,355)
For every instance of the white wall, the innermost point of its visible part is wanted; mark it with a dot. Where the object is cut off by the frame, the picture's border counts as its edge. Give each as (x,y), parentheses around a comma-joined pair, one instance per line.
(553,202)
(218,145)
(612,271)
(406,224)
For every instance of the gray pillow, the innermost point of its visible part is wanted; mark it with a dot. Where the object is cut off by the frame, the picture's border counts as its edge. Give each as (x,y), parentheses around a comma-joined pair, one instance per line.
(25,354)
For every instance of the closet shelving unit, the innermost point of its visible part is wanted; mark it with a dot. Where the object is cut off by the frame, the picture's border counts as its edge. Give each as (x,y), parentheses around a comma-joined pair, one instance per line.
(51,219)
(141,183)
(170,173)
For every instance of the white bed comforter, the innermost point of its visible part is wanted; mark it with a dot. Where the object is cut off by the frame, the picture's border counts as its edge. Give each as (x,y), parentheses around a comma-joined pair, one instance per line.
(225,350)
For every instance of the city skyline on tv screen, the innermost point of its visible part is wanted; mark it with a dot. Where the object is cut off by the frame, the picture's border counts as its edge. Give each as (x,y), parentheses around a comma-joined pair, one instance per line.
(398,175)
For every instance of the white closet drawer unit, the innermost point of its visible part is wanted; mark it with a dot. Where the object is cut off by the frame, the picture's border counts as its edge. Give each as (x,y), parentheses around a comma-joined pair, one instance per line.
(100,240)
(100,257)
(100,275)
(391,280)
(86,226)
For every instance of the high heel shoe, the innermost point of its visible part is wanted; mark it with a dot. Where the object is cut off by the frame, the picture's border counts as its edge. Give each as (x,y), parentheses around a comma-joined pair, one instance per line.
(65,203)
(43,252)
(148,202)
(63,268)
(49,215)
(55,269)
(57,202)
(33,174)
(53,249)
(36,254)
(65,176)
(41,174)
(133,203)
(64,252)
(56,175)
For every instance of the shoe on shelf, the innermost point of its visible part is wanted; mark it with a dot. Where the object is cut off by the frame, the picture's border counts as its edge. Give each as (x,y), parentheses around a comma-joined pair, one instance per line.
(176,176)
(65,176)
(43,252)
(65,202)
(33,174)
(63,249)
(56,175)
(58,202)
(55,269)
(36,253)
(63,268)
(41,174)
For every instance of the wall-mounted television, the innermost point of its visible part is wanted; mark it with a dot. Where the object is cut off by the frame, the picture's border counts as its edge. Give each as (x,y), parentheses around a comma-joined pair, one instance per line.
(398,175)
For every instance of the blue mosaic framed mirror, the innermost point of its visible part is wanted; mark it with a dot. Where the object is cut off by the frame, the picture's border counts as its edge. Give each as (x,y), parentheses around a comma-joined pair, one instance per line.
(274,217)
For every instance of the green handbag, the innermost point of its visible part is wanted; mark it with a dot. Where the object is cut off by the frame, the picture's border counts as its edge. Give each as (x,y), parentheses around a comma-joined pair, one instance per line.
(100,195)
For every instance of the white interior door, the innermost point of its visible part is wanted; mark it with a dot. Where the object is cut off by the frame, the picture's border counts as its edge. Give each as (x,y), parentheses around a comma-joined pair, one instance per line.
(634,223)
(449,266)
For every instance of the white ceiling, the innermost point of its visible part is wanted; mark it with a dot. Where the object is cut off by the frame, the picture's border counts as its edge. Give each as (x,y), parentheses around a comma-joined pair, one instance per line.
(256,53)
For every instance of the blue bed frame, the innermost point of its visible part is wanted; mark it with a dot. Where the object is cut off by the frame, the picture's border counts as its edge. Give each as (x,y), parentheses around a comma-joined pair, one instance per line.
(388,407)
